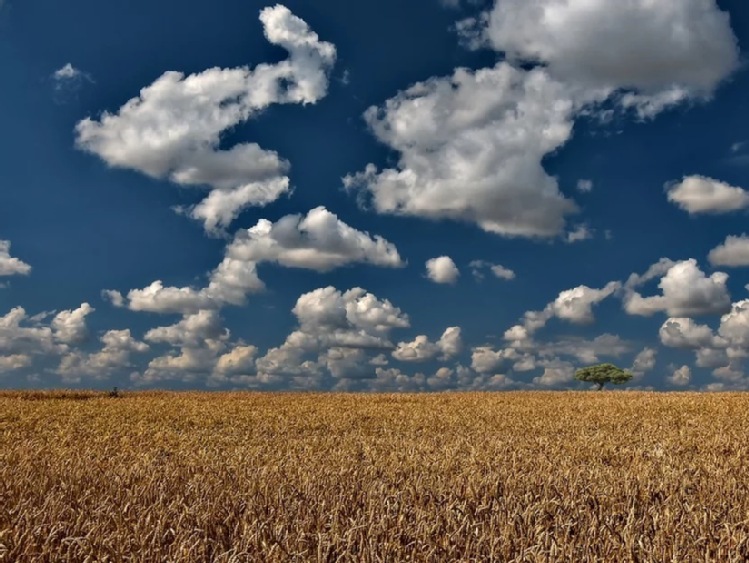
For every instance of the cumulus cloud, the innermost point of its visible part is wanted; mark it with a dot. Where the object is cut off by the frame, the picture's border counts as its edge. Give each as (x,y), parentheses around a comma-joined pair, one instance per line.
(318,241)
(442,270)
(10,266)
(114,355)
(499,271)
(574,305)
(733,252)
(681,377)
(685,333)
(331,319)
(67,80)
(421,348)
(173,128)
(470,147)
(698,194)
(70,326)
(687,291)
(661,53)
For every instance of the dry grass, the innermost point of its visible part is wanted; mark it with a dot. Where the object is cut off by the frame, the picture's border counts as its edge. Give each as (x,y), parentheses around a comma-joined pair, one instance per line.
(301,477)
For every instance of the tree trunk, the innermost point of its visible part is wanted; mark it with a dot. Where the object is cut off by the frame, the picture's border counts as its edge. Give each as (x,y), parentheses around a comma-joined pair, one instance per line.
(599,386)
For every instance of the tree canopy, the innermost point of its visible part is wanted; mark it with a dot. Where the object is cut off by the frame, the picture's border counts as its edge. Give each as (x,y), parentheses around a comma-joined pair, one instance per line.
(601,374)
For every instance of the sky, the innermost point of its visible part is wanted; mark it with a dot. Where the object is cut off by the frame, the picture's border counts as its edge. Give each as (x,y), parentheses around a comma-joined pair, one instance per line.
(373,196)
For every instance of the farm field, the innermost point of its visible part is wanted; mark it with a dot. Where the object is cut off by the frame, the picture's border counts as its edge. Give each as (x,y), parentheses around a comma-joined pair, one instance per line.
(233,477)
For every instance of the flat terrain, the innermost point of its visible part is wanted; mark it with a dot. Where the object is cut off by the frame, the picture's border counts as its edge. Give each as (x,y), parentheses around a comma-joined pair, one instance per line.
(611,476)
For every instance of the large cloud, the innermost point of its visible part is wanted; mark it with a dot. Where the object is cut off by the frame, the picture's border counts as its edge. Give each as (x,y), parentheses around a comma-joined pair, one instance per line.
(687,291)
(330,321)
(10,266)
(665,51)
(173,128)
(470,148)
(698,194)
(319,241)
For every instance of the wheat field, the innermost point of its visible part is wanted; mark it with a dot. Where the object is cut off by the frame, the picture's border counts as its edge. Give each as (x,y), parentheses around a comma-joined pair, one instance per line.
(230,477)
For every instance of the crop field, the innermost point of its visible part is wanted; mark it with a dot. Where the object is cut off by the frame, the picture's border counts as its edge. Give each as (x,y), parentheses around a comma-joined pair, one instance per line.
(233,477)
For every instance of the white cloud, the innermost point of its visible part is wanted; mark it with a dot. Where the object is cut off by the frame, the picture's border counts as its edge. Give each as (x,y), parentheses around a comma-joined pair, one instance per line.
(685,333)
(10,266)
(556,373)
(665,51)
(114,355)
(584,185)
(240,359)
(318,241)
(327,319)
(421,348)
(681,377)
(193,330)
(172,129)
(733,252)
(442,270)
(497,270)
(698,194)
(576,304)
(687,292)
(70,326)
(471,146)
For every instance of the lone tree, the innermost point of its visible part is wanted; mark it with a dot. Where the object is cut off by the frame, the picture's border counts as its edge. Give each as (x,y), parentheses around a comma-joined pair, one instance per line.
(603,373)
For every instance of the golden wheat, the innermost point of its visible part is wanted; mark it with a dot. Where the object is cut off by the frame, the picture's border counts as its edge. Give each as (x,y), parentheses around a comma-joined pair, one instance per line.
(613,476)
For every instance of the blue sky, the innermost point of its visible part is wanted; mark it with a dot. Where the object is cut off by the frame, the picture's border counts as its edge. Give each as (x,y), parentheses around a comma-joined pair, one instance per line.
(373,196)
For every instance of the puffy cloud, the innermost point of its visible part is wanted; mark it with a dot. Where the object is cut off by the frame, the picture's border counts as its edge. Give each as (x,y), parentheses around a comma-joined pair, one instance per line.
(685,333)
(497,270)
(698,194)
(681,376)
(733,252)
(665,51)
(471,146)
(172,129)
(421,348)
(193,330)
(114,355)
(584,185)
(555,373)
(319,241)
(442,270)
(240,359)
(10,266)
(576,304)
(484,359)
(687,292)
(70,326)
(328,319)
